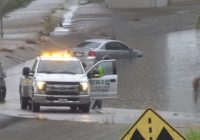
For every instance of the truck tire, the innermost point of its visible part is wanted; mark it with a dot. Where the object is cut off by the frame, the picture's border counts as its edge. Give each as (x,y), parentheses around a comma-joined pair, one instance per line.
(35,107)
(24,102)
(85,108)
(1,96)
(73,108)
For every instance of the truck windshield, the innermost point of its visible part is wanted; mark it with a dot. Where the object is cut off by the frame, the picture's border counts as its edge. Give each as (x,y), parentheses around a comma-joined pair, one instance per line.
(60,67)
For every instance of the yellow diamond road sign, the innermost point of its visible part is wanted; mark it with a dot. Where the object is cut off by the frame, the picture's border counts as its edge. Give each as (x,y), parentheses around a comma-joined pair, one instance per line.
(151,126)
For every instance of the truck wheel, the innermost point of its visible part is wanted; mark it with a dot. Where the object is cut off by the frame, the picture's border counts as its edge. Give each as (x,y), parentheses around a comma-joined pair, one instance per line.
(1,95)
(73,108)
(85,108)
(35,107)
(24,102)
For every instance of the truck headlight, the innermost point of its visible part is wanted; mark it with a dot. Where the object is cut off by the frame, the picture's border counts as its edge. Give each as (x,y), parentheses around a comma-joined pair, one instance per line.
(41,85)
(84,86)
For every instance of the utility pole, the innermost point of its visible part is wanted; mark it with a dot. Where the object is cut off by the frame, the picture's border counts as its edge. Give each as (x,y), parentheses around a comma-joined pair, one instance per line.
(1,20)
(2,9)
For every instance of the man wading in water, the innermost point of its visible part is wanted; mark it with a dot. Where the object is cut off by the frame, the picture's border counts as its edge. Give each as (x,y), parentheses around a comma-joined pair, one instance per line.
(2,84)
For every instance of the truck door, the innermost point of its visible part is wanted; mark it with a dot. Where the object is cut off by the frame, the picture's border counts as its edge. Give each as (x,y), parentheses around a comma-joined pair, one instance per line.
(103,84)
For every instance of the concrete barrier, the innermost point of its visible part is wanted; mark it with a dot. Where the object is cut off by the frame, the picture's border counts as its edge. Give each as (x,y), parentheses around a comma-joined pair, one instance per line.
(136,3)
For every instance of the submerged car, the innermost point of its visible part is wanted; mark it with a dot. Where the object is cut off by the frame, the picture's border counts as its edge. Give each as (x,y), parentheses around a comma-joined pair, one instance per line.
(91,51)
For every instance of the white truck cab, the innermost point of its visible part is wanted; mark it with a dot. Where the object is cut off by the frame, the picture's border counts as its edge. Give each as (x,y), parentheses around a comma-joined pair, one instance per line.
(61,80)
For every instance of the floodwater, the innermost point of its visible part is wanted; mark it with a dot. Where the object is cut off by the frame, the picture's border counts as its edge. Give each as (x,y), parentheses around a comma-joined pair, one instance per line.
(162,79)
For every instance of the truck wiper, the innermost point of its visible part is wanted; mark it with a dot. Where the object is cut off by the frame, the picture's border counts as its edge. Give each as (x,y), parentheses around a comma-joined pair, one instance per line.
(47,72)
(66,72)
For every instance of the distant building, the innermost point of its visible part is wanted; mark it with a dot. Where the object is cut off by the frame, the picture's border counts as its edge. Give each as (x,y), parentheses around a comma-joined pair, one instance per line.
(178,0)
(139,3)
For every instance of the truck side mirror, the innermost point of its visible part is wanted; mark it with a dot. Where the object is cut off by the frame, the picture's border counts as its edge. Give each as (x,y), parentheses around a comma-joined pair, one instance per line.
(26,71)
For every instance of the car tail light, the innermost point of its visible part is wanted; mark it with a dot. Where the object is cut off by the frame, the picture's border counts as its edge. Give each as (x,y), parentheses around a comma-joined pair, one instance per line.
(92,53)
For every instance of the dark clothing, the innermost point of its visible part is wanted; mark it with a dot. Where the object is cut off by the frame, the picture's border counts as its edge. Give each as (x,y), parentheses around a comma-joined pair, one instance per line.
(3,93)
(2,84)
(97,104)
(2,73)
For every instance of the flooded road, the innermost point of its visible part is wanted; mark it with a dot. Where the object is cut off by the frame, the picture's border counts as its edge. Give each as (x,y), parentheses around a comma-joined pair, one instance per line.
(162,79)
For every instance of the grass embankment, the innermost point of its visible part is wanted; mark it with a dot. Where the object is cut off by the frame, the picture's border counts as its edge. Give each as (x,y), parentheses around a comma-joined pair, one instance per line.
(193,135)
(9,5)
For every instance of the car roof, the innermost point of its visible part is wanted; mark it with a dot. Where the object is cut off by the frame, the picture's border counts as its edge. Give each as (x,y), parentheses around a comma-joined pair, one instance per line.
(101,40)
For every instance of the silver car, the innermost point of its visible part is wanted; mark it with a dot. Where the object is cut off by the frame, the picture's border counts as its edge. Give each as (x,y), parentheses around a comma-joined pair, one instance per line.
(91,51)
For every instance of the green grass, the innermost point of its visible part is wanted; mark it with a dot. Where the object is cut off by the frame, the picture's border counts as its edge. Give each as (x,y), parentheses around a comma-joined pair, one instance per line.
(14,4)
(193,135)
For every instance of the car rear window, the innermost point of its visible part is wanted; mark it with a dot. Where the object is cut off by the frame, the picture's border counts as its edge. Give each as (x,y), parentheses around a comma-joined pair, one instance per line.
(89,45)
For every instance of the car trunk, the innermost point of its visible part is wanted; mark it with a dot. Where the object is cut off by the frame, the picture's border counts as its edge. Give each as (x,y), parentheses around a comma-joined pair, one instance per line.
(81,53)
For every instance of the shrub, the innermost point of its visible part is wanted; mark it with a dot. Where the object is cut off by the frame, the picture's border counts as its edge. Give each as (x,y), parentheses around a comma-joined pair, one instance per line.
(49,24)
(198,22)
(6,50)
(13,4)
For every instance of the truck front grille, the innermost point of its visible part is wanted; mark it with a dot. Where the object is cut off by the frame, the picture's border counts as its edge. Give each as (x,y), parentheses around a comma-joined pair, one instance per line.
(62,88)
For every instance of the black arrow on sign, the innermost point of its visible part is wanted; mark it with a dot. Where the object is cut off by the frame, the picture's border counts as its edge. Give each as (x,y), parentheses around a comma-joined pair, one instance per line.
(164,135)
(137,136)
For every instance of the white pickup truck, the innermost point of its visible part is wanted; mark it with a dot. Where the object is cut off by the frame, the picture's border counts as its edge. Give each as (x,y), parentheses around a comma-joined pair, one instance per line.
(61,80)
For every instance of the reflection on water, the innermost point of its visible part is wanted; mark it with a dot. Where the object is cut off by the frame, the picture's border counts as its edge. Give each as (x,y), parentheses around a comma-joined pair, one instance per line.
(162,79)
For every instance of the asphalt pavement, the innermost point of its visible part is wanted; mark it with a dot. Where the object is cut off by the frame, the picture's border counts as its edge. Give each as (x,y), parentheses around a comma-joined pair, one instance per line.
(34,129)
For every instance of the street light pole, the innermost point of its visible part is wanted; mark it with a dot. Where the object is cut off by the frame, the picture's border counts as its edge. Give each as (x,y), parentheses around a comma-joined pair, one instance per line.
(1,18)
